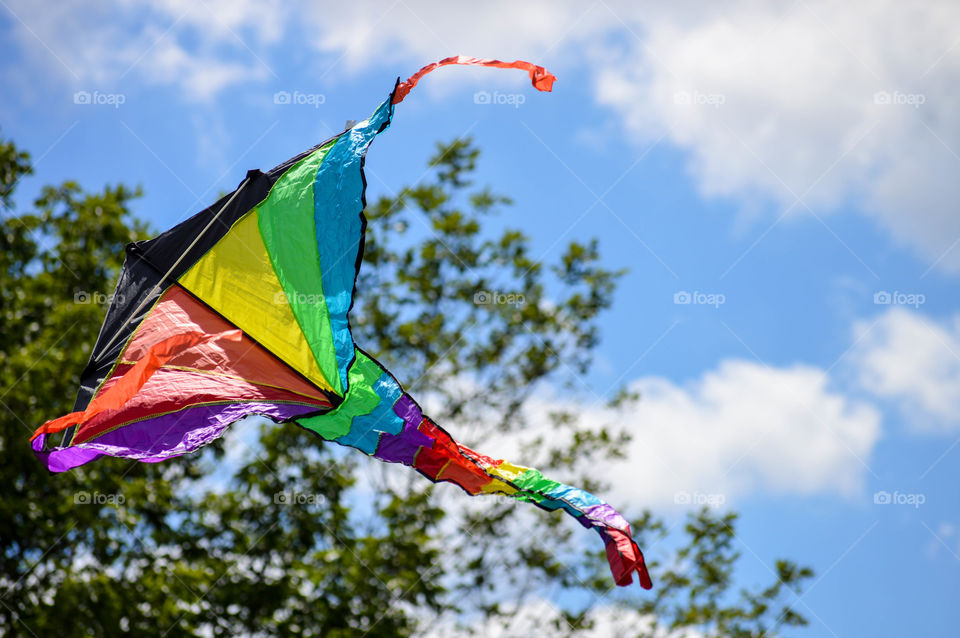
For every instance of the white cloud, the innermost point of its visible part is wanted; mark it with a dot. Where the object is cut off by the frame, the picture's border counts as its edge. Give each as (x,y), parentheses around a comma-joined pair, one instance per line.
(199,47)
(914,361)
(539,617)
(739,430)
(746,427)
(779,101)
(427,31)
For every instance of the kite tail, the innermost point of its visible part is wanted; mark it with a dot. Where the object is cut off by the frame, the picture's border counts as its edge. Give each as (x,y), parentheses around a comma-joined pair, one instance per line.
(378,418)
(623,553)
(541,79)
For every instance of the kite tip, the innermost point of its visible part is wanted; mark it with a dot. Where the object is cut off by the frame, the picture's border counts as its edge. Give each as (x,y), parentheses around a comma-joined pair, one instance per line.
(644,576)
(625,558)
(542,79)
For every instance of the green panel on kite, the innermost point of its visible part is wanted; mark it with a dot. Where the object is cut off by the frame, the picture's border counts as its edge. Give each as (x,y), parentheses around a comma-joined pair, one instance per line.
(360,401)
(289,234)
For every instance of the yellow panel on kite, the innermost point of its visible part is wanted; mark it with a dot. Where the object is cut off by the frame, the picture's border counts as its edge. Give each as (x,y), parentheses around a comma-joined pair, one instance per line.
(236,278)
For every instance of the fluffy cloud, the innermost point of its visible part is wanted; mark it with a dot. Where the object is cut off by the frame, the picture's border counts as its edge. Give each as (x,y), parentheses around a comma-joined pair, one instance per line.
(915,362)
(746,427)
(808,104)
(198,47)
(738,430)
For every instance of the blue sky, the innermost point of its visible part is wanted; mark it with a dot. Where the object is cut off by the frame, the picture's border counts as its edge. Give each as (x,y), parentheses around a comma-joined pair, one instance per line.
(789,169)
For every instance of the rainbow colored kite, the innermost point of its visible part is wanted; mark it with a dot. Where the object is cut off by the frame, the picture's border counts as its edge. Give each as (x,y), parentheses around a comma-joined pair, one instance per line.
(244,308)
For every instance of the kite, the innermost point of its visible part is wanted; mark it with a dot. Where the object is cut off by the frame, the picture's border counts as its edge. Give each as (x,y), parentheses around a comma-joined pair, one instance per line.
(244,309)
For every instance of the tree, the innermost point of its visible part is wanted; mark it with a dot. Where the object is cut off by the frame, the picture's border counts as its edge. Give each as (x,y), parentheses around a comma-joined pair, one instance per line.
(301,537)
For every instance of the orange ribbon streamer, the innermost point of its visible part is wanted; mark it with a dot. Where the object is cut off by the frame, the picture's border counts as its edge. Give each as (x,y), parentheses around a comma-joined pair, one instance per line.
(541,79)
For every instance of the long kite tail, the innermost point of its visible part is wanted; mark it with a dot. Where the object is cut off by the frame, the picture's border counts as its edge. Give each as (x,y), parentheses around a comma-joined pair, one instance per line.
(378,418)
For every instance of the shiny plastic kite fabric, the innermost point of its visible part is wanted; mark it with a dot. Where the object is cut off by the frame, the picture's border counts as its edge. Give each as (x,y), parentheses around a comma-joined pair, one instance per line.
(244,309)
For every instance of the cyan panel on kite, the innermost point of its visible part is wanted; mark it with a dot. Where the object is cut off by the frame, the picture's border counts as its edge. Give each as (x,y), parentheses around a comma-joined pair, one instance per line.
(243,310)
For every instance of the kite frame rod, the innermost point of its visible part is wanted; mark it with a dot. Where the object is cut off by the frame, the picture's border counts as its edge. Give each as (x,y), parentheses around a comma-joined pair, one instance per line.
(156,287)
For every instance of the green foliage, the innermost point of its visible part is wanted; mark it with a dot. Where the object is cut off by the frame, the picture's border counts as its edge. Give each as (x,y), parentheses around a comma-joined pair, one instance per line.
(296,537)
(63,543)
(695,589)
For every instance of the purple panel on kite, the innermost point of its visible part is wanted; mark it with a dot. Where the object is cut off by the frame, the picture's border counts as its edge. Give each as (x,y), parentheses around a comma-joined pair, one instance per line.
(607,515)
(407,409)
(402,448)
(166,436)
